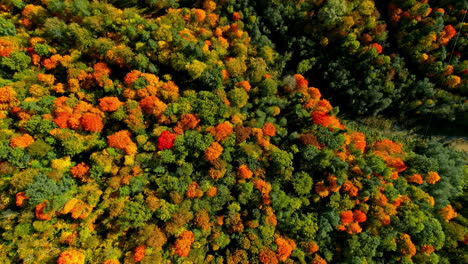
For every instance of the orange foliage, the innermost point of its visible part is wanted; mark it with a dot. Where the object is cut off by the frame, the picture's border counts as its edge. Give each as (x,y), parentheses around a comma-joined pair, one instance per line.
(245,85)
(212,191)
(71,256)
(188,121)
(244,172)
(139,253)
(62,119)
(222,131)
(111,261)
(109,103)
(6,48)
(269,129)
(46,78)
(131,77)
(321,189)
(92,122)
(354,228)
(22,141)
(200,15)
(323,119)
(213,151)
(79,171)
(312,247)
(183,243)
(415,178)
(152,105)
(40,212)
(447,34)
(358,140)
(264,188)
(377,47)
(387,146)
(122,140)
(236,16)
(448,213)
(285,247)
(432,177)
(318,260)
(346,217)
(428,249)
(359,216)
(194,191)
(267,256)
(323,106)
(350,189)
(20,198)
(7,94)
(407,247)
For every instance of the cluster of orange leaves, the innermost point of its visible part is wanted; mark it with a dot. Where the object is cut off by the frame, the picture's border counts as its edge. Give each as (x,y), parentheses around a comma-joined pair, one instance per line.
(448,213)
(139,253)
(213,151)
(6,48)
(264,188)
(109,104)
(20,198)
(407,246)
(82,115)
(350,221)
(194,191)
(122,140)
(22,141)
(243,172)
(285,247)
(78,208)
(39,212)
(183,243)
(71,256)
(391,153)
(80,171)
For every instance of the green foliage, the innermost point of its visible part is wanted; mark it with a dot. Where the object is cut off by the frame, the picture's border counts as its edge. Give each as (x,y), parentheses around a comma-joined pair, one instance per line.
(7,28)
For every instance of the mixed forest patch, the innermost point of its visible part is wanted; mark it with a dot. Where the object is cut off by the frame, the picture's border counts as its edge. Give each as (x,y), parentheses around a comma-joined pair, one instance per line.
(193,132)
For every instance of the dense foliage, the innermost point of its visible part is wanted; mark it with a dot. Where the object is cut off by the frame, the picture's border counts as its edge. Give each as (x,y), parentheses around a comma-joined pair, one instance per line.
(176,132)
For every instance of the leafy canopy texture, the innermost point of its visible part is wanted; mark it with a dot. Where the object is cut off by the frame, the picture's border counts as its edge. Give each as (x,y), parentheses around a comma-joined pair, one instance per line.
(177,132)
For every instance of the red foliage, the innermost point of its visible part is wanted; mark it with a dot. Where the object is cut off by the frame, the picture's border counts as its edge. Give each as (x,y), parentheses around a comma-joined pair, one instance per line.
(166,140)
(377,47)
(346,217)
(139,253)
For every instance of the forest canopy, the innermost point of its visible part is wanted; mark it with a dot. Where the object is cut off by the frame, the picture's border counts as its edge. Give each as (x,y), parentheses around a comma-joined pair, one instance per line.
(182,131)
